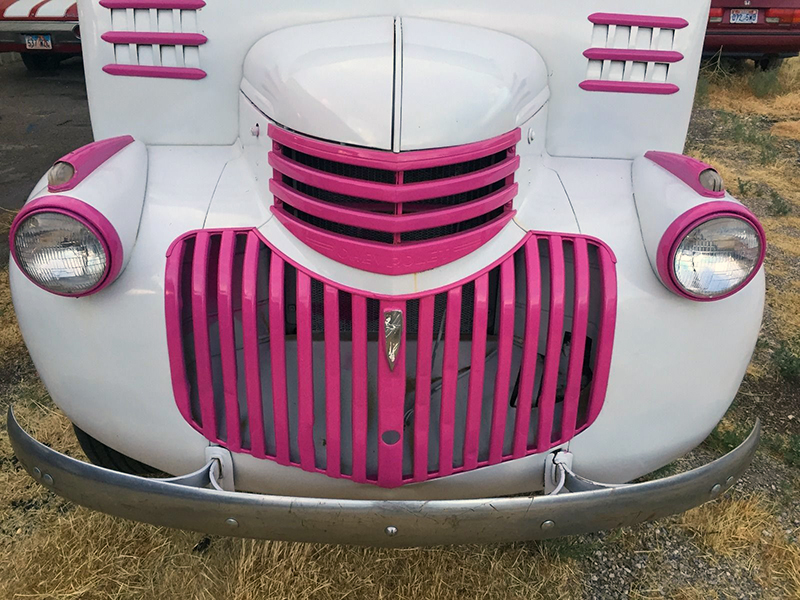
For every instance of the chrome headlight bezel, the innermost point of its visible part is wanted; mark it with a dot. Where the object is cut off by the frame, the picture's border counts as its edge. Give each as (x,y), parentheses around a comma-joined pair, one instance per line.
(689,223)
(87,217)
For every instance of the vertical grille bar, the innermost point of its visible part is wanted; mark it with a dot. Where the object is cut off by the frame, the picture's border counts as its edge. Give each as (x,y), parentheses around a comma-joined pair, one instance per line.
(277,350)
(332,383)
(174,306)
(305,374)
(547,396)
(422,396)
(447,414)
(359,388)
(480,321)
(202,348)
(605,342)
(505,344)
(580,317)
(252,361)
(391,398)
(533,309)
(227,342)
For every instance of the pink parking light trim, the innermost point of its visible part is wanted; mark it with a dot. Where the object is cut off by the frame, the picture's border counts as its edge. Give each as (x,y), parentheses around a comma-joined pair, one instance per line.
(161,4)
(627,20)
(630,87)
(386,192)
(155,72)
(688,221)
(447,412)
(359,388)
(422,397)
(333,398)
(685,168)
(505,343)
(252,361)
(89,217)
(656,56)
(391,161)
(87,159)
(477,371)
(555,329)
(154,38)
(580,319)
(393,223)
(227,342)
(533,309)
(277,346)
(305,375)
(205,383)
(391,399)
(399,259)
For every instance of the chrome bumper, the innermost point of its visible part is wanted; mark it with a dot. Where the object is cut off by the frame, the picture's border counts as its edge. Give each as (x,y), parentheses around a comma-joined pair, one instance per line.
(375,523)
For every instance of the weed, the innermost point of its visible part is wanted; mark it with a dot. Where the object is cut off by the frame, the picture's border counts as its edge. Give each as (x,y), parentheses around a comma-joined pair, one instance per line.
(726,437)
(747,132)
(787,360)
(745,187)
(778,205)
(701,93)
(765,83)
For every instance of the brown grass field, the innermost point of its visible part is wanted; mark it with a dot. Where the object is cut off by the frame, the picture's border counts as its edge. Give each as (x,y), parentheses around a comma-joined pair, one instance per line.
(744,545)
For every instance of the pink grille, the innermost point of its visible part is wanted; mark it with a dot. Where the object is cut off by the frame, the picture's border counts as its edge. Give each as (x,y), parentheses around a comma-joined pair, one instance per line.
(269,359)
(391,212)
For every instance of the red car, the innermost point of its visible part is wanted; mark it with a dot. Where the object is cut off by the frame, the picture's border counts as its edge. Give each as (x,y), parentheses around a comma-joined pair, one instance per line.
(44,32)
(765,30)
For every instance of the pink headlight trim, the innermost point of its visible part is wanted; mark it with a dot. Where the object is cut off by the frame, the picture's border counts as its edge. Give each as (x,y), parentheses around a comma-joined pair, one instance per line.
(89,217)
(688,221)
(685,168)
(88,158)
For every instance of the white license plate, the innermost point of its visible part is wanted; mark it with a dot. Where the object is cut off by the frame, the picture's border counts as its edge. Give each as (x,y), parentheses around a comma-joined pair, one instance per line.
(38,42)
(744,16)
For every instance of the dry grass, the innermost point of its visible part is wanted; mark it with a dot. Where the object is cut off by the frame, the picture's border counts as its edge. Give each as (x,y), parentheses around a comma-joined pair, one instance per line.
(51,549)
(746,528)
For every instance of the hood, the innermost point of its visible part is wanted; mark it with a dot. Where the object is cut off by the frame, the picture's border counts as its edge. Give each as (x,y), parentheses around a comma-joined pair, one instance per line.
(395,84)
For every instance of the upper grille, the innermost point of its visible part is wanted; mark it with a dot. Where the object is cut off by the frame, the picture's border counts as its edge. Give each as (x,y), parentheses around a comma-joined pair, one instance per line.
(399,209)
(269,359)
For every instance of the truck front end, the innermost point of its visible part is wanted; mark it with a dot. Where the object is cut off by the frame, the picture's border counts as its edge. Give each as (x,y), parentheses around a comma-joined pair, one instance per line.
(393,273)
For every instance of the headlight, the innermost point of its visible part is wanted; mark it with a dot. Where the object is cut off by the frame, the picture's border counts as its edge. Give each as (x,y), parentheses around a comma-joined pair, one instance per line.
(713,255)
(63,250)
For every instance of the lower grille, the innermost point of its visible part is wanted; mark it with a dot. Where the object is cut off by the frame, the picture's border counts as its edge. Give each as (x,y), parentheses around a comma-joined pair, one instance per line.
(269,359)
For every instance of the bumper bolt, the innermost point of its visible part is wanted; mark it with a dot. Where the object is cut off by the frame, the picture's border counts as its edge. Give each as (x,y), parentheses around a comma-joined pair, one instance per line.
(547,525)
(391,531)
(232,523)
(47,479)
(37,472)
(730,481)
(716,490)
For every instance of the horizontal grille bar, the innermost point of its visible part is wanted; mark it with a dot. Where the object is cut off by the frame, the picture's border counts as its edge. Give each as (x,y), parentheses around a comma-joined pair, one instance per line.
(269,359)
(345,202)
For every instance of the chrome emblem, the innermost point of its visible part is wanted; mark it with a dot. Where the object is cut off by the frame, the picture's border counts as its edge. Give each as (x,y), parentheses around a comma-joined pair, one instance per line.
(393,333)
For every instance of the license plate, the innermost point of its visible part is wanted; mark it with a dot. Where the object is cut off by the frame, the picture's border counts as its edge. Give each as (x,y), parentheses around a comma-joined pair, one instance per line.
(38,42)
(744,16)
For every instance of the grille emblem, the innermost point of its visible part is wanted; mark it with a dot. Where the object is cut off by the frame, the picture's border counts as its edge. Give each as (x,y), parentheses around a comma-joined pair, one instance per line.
(393,333)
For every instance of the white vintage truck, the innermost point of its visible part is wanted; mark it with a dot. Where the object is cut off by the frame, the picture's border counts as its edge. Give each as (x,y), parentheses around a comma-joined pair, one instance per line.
(388,273)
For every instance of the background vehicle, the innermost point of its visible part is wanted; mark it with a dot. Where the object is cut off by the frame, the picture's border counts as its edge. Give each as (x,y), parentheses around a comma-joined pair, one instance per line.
(44,32)
(764,30)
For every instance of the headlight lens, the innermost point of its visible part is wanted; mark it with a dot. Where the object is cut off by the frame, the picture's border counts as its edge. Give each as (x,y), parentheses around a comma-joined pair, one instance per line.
(60,253)
(717,257)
